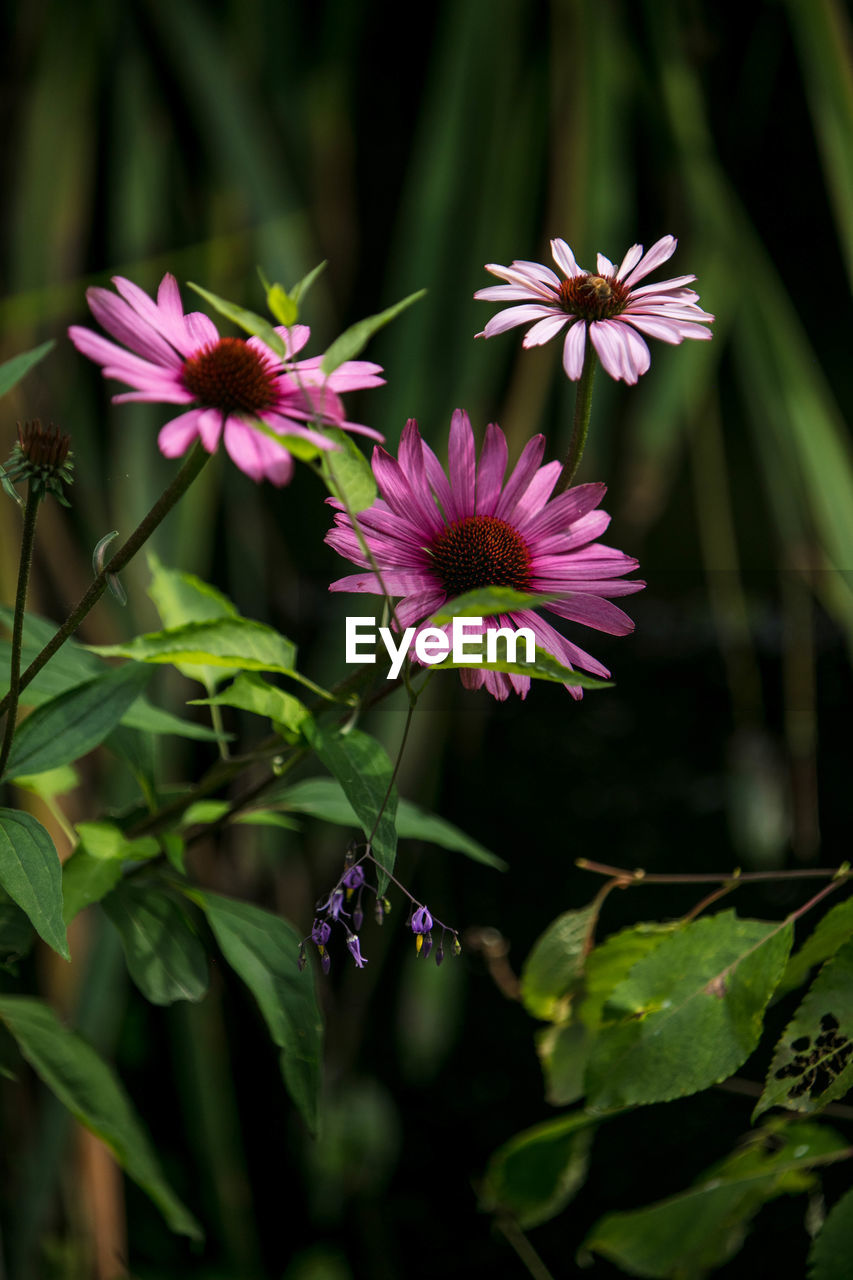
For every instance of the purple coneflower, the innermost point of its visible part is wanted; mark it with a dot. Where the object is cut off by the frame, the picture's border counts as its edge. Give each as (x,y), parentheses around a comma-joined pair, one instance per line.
(606,302)
(181,359)
(435,538)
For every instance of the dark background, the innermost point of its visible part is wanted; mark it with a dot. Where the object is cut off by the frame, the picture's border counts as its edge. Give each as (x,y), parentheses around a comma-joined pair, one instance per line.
(409,147)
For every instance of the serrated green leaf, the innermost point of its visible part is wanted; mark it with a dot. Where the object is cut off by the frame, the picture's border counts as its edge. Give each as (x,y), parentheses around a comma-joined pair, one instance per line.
(91,1091)
(689,1014)
(554,966)
(353,340)
(164,954)
(31,874)
(324,798)
(830,1254)
(263,950)
(813,1061)
(75,722)
(535,1175)
(613,960)
(347,473)
(362,767)
(694,1233)
(246,320)
(11,371)
(485,602)
(229,644)
(831,932)
(253,693)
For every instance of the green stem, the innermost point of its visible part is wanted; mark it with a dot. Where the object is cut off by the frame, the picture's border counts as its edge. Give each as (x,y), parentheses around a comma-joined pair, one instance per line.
(580,424)
(182,481)
(15,685)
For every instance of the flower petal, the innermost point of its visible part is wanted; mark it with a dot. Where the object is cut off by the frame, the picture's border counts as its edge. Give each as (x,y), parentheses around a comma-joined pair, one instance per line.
(565,259)
(660,251)
(544,330)
(573,350)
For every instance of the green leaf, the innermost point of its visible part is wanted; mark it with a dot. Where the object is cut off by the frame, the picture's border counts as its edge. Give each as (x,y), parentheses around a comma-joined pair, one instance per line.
(299,290)
(50,783)
(75,722)
(694,1233)
(11,371)
(831,932)
(362,767)
(16,932)
(207,811)
(180,598)
(485,602)
(829,1257)
(263,950)
(688,1014)
(813,1061)
(611,962)
(554,966)
(91,1091)
(164,954)
(282,306)
(247,320)
(353,340)
(95,867)
(253,693)
(235,644)
(324,798)
(31,874)
(347,473)
(544,667)
(535,1175)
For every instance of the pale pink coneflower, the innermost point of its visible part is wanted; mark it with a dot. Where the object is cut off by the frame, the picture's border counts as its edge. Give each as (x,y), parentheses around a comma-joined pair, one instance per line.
(175,358)
(605,302)
(435,538)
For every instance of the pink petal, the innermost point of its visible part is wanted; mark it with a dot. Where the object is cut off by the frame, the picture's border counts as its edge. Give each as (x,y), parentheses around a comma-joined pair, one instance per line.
(660,251)
(565,259)
(201,332)
(632,257)
(544,330)
(563,511)
(514,316)
(605,266)
(256,454)
(592,611)
(119,319)
(522,474)
(573,350)
(491,471)
(462,466)
(177,436)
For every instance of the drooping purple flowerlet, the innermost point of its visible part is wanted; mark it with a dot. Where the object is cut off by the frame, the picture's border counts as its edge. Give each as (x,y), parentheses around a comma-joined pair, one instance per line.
(606,302)
(355,950)
(436,537)
(225,383)
(421,921)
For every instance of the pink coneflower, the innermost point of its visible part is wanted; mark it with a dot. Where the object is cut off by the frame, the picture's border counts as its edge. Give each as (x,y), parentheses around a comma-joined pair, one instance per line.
(607,303)
(435,538)
(228,382)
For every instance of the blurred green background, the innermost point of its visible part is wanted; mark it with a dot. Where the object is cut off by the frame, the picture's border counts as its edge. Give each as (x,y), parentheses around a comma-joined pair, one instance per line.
(409,147)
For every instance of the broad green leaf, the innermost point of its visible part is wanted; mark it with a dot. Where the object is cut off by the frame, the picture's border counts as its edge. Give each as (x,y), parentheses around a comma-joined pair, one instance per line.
(564,1048)
(535,1175)
(95,867)
(11,371)
(353,340)
(250,692)
(554,966)
(207,811)
(263,950)
(283,307)
(347,473)
(75,722)
(31,874)
(264,818)
(813,1061)
(324,798)
(91,1091)
(235,644)
(544,667)
(182,597)
(164,954)
(694,1233)
(16,932)
(829,1257)
(50,783)
(688,1014)
(362,767)
(246,320)
(150,719)
(485,602)
(831,932)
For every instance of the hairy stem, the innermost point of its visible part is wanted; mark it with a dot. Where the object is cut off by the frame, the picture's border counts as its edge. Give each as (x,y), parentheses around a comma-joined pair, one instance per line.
(580,423)
(15,685)
(182,481)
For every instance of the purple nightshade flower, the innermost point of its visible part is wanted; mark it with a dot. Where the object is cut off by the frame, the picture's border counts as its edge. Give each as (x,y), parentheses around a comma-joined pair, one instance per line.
(421,921)
(606,303)
(321,932)
(335,904)
(355,950)
(436,536)
(354,878)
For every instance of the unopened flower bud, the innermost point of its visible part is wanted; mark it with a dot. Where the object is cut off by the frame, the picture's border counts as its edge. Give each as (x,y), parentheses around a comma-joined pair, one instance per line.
(42,457)
(357,917)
